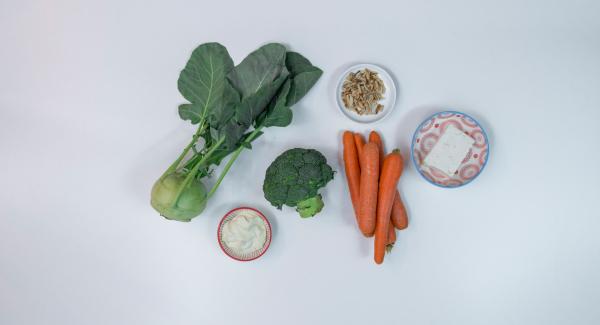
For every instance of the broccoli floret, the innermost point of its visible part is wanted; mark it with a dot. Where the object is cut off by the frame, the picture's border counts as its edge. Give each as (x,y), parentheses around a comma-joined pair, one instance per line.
(294,179)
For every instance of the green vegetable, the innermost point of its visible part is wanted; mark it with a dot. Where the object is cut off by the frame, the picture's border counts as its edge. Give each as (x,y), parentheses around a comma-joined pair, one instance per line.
(231,105)
(310,207)
(294,179)
(175,205)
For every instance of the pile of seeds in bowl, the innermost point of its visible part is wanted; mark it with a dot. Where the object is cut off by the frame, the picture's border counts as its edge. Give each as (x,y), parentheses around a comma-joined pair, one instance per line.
(362,91)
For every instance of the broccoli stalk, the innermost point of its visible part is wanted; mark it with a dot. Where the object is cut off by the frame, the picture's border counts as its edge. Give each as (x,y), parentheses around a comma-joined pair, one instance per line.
(309,207)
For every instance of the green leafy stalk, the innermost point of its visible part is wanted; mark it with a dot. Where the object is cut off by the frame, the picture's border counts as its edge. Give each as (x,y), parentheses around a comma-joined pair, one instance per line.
(192,143)
(192,173)
(235,155)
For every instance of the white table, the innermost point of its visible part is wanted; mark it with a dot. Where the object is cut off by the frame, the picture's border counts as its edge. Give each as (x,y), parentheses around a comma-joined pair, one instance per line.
(88,121)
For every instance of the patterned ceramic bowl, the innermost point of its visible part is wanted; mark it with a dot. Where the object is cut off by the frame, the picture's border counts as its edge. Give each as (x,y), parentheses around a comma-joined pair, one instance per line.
(232,253)
(427,135)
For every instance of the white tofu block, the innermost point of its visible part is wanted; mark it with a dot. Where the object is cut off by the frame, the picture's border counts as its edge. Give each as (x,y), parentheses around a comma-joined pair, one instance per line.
(450,150)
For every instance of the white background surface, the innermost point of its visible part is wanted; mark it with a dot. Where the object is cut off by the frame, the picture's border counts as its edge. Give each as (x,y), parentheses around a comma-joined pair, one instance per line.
(88,121)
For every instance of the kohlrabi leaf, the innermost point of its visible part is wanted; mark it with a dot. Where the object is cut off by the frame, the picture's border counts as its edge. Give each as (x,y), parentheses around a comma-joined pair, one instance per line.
(296,63)
(190,113)
(252,106)
(224,112)
(232,132)
(202,81)
(303,74)
(258,69)
(278,114)
(301,84)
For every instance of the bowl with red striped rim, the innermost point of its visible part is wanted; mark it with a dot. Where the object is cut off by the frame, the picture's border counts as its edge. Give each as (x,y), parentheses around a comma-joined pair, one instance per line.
(231,252)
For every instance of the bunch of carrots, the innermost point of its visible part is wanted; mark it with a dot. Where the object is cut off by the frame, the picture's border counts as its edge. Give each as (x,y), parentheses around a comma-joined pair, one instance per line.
(372,179)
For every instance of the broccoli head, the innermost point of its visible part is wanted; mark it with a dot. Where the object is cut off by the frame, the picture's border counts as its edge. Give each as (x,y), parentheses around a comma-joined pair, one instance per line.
(294,179)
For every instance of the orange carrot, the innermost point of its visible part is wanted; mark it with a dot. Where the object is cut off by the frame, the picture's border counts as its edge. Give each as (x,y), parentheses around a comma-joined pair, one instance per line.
(390,174)
(399,216)
(376,138)
(359,141)
(369,179)
(352,170)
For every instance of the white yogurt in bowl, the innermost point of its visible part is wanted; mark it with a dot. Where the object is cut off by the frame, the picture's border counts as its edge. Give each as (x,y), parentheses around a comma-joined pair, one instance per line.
(244,234)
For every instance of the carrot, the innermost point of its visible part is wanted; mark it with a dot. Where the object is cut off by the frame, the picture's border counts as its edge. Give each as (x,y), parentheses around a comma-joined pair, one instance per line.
(352,170)
(390,174)
(369,180)
(376,138)
(399,216)
(391,239)
(359,141)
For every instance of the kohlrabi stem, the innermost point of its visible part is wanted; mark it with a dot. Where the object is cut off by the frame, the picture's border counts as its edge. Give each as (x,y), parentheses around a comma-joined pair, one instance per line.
(236,154)
(194,170)
(176,163)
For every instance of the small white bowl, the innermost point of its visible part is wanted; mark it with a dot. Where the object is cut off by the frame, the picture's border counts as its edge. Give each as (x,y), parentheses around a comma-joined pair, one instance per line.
(388,101)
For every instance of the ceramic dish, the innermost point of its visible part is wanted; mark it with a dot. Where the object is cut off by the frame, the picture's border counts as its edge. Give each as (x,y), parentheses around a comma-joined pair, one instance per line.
(233,254)
(427,135)
(388,102)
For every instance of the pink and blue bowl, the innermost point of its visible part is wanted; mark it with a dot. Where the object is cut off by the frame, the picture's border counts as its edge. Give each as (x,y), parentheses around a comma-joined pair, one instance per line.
(430,131)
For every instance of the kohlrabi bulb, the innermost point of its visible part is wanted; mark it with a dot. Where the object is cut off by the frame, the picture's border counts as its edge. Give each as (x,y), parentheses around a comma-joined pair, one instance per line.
(175,203)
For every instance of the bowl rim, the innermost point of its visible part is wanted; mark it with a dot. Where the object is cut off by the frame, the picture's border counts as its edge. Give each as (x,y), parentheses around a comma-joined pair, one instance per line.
(412,149)
(340,82)
(267,242)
